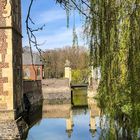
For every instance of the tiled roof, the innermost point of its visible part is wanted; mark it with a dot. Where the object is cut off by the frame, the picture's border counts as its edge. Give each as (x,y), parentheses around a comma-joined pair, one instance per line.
(29,59)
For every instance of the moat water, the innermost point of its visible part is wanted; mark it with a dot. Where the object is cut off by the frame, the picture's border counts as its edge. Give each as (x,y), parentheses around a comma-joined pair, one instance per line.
(75,121)
(81,120)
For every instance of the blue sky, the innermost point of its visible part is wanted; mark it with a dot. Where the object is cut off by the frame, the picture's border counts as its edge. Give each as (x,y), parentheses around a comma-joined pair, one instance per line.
(55,34)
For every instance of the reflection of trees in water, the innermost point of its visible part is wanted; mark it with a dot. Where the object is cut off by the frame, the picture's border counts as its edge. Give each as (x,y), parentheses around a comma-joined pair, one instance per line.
(79,97)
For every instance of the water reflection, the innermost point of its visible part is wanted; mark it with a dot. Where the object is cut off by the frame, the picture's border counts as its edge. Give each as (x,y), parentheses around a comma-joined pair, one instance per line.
(79,97)
(82,120)
(66,122)
(94,112)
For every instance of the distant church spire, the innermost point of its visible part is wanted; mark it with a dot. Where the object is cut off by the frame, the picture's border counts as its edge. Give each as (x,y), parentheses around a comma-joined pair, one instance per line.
(75,37)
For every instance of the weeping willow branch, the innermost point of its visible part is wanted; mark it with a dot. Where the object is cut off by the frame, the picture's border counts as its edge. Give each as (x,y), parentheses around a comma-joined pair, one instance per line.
(83,6)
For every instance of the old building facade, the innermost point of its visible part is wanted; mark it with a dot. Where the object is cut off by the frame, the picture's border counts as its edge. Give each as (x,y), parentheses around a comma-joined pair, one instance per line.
(32,65)
(10,59)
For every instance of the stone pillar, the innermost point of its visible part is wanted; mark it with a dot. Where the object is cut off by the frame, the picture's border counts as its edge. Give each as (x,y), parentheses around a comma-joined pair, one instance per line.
(68,70)
(10,59)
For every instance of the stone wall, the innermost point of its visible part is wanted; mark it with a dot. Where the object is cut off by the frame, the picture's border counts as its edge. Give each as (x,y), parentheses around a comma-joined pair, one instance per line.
(13,130)
(11,101)
(10,57)
(56,90)
(4,64)
(32,91)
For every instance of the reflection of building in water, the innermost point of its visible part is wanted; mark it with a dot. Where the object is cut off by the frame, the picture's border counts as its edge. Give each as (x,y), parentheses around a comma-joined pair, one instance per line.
(94,112)
(79,110)
(59,111)
(69,125)
(92,122)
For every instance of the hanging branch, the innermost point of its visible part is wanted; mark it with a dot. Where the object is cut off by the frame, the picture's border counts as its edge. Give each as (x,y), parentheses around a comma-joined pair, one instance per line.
(70,4)
(67,5)
(30,33)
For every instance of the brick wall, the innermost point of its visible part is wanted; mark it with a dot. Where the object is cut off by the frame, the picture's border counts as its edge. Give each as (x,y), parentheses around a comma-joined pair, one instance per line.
(33,72)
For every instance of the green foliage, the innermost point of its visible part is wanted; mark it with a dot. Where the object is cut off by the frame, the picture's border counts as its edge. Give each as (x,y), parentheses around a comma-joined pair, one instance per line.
(115,37)
(80,76)
(113,32)
(127,109)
